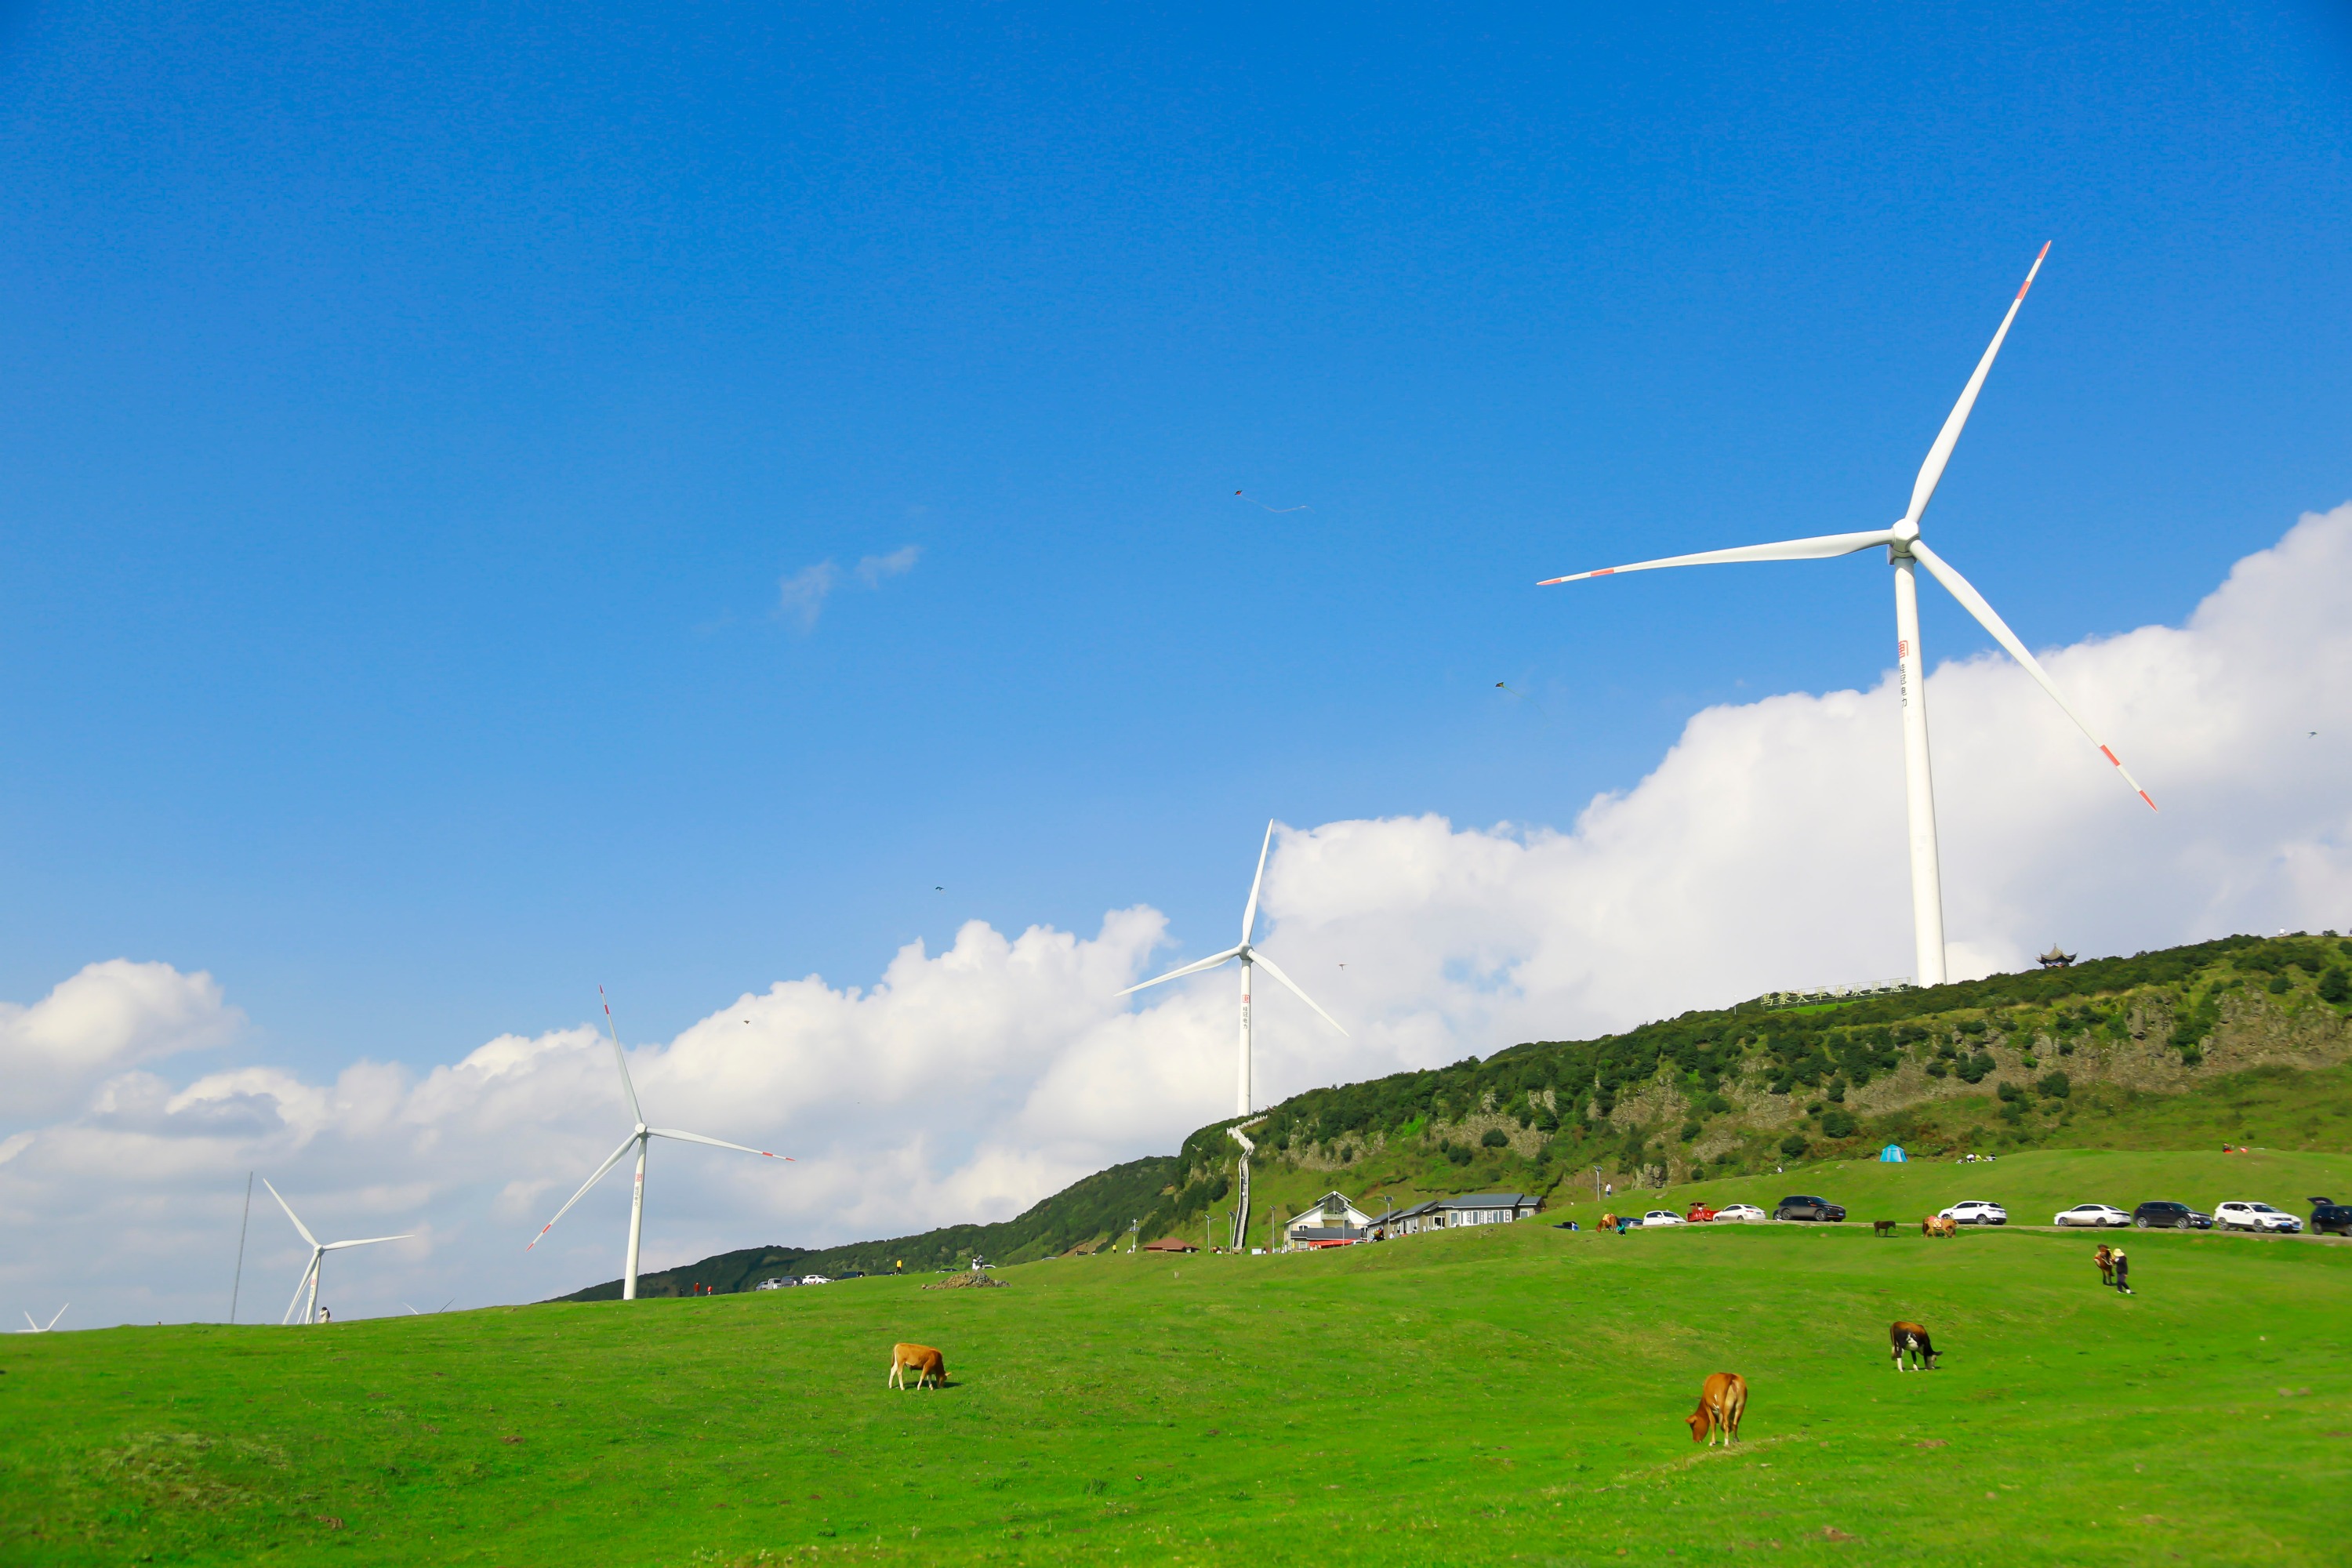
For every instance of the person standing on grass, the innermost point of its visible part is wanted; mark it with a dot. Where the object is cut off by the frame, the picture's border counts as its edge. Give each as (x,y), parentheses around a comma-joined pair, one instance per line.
(2123,1272)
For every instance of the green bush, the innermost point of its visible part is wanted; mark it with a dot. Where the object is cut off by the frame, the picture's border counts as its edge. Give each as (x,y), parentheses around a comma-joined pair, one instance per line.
(1972,1026)
(1457,1154)
(1495,1137)
(2009,1091)
(2335,986)
(2055,1085)
(1937,1069)
(1690,1130)
(2282,986)
(1972,1069)
(1794,1145)
(1838,1123)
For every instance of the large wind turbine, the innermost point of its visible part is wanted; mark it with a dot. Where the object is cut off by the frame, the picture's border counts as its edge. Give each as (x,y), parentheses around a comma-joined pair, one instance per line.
(1248,955)
(42,1328)
(319,1250)
(1903,548)
(637,1140)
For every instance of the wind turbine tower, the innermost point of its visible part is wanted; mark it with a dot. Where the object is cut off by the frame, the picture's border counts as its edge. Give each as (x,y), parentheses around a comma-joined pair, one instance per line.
(637,1140)
(1249,956)
(1905,551)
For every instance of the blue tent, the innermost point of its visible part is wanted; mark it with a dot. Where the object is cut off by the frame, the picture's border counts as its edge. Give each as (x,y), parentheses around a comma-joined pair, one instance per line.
(1893,1154)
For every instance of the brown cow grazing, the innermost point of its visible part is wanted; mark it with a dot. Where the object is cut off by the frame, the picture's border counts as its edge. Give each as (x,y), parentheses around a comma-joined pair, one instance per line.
(1935,1224)
(2105,1258)
(927,1362)
(1911,1337)
(1720,1405)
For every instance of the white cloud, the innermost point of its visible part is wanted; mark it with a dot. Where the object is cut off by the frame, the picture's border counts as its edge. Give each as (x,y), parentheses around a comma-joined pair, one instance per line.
(108,1016)
(800,596)
(872,569)
(1765,849)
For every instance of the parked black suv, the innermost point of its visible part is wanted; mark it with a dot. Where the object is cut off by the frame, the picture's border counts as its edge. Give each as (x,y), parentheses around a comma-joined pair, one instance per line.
(2326,1217)
(2176,1216)
(1809,1208)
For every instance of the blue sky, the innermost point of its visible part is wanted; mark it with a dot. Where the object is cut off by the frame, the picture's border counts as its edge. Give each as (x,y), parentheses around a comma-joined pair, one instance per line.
(411,420)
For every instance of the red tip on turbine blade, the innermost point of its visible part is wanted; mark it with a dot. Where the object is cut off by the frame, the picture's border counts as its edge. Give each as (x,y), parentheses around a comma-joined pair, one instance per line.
(2151,803)
(1550,581)
(2110,756)
(2030,271)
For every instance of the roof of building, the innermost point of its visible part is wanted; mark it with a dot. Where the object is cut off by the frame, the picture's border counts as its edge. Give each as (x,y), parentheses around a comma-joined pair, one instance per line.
(1485,1201)
(1329,1232)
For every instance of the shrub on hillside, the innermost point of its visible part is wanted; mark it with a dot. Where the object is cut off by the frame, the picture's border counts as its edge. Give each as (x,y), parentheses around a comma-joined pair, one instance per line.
(1495,1137)
(2055,1085)
(1838,1123)
(1972,1069)
(1794,1145)
(2335,986)
(1457,1153)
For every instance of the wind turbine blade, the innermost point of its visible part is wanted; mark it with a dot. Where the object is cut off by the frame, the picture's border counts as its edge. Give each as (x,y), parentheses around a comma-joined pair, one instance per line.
(1193,968)
(1263,962)
(1931,472)
(302,1285)
(628,1143)
(290,1213)
(413,1311)
(714,1142)
(1819,548)
(1962,589)
(370,1241)
(53,1320)
(31,1327)
(620,1059)
(1249,915)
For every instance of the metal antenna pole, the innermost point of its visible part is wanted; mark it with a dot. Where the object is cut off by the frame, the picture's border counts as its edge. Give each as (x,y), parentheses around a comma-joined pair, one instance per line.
(238,1282)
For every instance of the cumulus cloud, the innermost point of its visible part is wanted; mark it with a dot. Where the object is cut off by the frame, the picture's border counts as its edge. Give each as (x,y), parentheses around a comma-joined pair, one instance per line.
(108,1016)
(1766,849)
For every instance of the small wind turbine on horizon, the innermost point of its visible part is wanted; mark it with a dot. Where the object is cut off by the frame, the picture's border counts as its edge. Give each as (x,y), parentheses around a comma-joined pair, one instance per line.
(1905,549)
(637,1140)
(34,1327)
(1249,955)
(319,1250)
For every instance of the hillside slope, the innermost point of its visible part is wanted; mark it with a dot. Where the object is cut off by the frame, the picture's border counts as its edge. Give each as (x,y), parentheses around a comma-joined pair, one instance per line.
(2243,1040)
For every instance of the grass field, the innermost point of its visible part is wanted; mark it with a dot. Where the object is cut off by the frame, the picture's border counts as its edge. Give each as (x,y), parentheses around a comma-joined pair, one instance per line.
(1511,1394)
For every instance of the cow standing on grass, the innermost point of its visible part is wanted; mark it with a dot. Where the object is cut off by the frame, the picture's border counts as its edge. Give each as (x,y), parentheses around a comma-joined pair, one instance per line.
(926,1362)
(1911,1338)
(1721,1403)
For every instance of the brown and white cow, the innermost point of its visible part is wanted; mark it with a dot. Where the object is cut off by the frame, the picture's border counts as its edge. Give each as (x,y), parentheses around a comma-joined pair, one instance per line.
(1911,1337)
(1721,1403)
(927,1363)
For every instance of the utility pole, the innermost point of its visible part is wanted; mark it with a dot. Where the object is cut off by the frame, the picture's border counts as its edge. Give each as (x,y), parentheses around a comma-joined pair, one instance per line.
(238,1283)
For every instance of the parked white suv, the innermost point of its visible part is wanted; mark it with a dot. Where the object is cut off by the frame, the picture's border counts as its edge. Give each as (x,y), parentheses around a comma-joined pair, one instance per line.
(2093,1215)
(1976,1211)
(2254,1216)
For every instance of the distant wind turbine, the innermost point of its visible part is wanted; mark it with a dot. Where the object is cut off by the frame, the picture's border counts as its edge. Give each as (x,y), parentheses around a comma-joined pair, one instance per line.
(638,1140)
(1248,955)
(1903,548)
(319,1250)
(33,1328)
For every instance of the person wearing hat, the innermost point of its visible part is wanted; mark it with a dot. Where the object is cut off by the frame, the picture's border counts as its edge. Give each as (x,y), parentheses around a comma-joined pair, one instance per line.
(2123,1272)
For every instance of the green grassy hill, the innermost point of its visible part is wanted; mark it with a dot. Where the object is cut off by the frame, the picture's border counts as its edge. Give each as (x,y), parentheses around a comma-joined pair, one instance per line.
(1478,1396)
(2243,1040)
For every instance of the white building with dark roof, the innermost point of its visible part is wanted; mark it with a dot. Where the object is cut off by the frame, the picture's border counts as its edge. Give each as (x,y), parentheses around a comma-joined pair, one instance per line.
(1449,1213)
(1333,1221)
